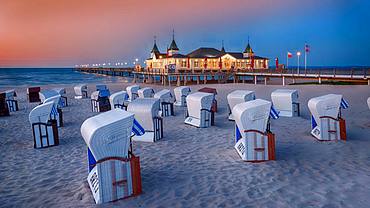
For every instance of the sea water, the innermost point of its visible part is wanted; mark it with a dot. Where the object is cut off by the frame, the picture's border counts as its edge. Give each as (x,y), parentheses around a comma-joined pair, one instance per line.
(18,77)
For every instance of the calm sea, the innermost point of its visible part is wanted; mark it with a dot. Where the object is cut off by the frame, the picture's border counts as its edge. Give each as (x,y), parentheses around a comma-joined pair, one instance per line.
(43,76)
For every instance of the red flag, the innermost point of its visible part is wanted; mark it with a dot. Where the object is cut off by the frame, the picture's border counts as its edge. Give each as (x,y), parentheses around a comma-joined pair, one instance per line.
(188,62)
(252,62)
(205,63)
(220,63)
(264,64)
(277,62)
(307,48)
(290,55)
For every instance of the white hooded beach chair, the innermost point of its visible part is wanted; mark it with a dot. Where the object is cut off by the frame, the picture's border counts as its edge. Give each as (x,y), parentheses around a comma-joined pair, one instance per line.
(254,140)
(80,91)
(132,92)
(238,96)
(100,101)
(115,171)
(119,100)
(146,112)
(10,97)
(286,102)
(166,102)
(146,92)
(44,129)
(58,114)
(326,120)
(63,98)
(368,102)
(199,111)
(180,94)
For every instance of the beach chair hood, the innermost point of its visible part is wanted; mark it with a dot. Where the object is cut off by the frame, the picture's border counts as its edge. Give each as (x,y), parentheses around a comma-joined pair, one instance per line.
(252,115)
(165,95)
(45,94)
(41,113)
(145,109)
(181,91)
(239,96)
(131,90)
(146,92)
(108,134)
(79,89)
(327,105)
(283,99)
(118,98)
(198,101)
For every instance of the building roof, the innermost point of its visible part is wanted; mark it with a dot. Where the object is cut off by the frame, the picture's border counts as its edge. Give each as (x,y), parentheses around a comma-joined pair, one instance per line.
(173,46)
(248,49)
(239,55)
(155,48)
(177,55)
(205,53)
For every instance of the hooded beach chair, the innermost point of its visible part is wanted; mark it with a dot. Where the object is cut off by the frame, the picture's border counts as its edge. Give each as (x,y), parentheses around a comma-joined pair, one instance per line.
(326,121)
(238,96)
(100,101)
(199,109)
(44,128)
(166,102)
(4,110)
(146,112)
(58,114)
(101,87)
(254,141)
(33,94)
(180,94)
(132,92)
(10,97)
(286,102)
(80,91)
(114,171)
(368,102)
(45,94)
(146,92)
(119,100)
(63,98)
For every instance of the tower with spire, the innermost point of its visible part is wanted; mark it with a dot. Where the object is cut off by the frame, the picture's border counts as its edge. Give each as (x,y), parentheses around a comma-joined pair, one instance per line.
(248,52)
(173,49)
(155,50)
(223,48)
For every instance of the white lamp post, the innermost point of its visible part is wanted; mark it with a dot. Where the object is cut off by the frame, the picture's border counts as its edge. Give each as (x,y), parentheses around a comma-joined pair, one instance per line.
(298,54)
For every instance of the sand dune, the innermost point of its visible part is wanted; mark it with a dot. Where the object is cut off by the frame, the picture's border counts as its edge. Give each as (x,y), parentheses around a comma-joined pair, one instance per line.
(193,167)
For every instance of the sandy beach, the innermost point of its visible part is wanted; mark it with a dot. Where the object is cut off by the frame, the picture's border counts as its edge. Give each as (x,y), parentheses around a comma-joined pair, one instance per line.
(193,167)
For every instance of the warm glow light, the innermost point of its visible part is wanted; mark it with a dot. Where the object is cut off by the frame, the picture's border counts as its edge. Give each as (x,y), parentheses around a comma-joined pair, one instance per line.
(298,53)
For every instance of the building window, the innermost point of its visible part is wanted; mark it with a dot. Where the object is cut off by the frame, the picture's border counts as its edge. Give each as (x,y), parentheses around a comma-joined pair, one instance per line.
(183,63)
(196,63)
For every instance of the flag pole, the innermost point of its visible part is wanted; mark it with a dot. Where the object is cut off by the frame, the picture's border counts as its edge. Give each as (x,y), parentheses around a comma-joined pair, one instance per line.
(305,57)
(287,61)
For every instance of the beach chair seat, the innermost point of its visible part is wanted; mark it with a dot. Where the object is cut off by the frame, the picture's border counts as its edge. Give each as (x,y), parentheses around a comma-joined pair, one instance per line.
(63,98)
(166,102)
(146,112)
(44,128)
(4,110)
(238,96)
(326,121)
(100,101)
(254,142)
(33,94)
(146,92)
(286,102)
(199,109)
(10,97)
(180,94)
(119,100)
(132,92)
(80,91)
(114,171)
(57,113)
(214,92)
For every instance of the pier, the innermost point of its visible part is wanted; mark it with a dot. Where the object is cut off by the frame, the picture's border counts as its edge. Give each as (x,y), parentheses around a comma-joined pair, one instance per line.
(203,76)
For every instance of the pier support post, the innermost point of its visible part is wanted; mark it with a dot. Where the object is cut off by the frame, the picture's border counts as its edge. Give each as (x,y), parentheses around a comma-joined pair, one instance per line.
(265,80)
(169,80)
(198,80)
(293,80)
(185,79)
(243,78)
(368,82)
(205,79)
(319,80)
(178,80)
(283,80)
(255,79)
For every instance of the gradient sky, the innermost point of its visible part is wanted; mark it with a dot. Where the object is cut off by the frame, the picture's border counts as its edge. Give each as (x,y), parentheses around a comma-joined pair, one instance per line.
(64,33)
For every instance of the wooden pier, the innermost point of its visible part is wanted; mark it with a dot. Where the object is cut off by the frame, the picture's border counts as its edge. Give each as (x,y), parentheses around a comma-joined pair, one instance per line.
(189,77)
